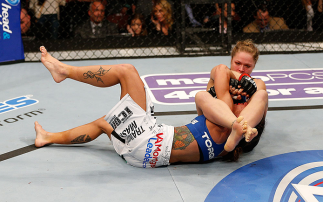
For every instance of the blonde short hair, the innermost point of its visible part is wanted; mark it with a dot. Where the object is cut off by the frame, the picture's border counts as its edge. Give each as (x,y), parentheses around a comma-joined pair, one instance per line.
(246,46)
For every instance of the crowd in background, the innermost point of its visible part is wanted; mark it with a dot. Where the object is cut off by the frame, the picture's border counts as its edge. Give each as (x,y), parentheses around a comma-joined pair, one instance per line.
(54,19)
(96,18)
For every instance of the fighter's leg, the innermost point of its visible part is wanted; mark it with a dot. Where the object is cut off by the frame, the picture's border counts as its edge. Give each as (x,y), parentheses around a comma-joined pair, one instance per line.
(237,133)
(218,112)
(81,134)
(99,75)
(254,111)
(215,110)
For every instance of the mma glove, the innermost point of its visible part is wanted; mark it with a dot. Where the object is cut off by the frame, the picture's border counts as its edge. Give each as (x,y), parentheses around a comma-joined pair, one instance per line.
(212,91)
(235,101)
(234,83)
(247,84)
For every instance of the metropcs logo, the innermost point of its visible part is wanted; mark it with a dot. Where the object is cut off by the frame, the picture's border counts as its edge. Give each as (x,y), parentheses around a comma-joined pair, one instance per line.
(294,84)
(17,103)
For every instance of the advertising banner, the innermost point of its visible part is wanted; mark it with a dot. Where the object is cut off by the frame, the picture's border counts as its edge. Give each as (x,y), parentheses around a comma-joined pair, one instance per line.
(290,84)
(11,47)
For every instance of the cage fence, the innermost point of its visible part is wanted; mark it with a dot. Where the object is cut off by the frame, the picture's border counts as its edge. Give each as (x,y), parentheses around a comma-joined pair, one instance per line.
(104,29)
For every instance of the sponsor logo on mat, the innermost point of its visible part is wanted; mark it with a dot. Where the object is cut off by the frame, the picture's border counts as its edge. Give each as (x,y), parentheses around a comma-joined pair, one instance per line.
(291,177)
(293,84)
(17,103)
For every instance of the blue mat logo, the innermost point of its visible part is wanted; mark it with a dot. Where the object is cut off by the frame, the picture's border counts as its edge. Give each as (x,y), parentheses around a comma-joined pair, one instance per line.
(13,2)
(291,177)
(304,180)
(17,103)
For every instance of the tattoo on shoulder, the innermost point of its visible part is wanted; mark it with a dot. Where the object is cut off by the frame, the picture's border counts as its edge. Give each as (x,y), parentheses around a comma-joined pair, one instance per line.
(97,75)
(81,139)
(182,138)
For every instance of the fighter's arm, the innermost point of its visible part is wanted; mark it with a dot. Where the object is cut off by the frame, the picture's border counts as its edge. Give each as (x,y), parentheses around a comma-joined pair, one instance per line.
(260,84)
(241,86)
(218,112)
(223,72)
(220,78)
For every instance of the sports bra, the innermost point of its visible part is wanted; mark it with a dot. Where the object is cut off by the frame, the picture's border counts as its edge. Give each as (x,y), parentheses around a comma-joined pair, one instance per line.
(208,148)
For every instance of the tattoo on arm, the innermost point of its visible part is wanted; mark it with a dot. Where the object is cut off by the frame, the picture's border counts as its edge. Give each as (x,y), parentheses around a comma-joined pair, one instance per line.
(81,139)
(182,138)
(97,75)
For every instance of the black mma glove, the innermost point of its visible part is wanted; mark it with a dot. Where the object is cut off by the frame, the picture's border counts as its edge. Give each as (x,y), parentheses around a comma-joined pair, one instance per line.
(233,83)
(212,92)
(247,84)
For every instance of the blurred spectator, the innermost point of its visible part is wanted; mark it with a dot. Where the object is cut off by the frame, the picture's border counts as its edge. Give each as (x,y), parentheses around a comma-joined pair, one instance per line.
(74,14)
(144,7)
(162,17)
(47,12)
(26,26)
(264,22)
(309,14)
(96,26)
(217,16)
(132,5)
(121,18)
(308,5)
(24,21)
(137,25)
(191,17)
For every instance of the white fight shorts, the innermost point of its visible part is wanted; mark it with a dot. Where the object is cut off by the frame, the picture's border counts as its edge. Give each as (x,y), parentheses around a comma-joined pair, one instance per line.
(146,143)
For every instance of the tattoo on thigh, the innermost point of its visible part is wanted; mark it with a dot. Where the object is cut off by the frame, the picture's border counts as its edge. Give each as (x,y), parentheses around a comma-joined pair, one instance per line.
(96,75)
(182,138)
(81,139)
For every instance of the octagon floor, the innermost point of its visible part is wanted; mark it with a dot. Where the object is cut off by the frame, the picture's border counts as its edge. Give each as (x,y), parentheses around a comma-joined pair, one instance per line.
(94,172)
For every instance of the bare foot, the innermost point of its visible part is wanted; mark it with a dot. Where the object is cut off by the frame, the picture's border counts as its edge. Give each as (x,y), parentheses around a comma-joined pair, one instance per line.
(238,129)
(41,136)
(250,134)
(55,67)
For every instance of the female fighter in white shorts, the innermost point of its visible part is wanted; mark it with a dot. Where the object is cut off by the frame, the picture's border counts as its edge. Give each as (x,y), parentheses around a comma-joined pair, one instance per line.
(132,127)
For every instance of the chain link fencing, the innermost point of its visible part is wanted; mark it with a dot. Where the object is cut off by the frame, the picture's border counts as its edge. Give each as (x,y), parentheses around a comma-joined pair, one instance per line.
(81,29)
